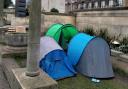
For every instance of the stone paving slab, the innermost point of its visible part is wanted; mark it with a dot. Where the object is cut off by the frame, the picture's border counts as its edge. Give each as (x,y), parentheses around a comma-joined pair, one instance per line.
(3,82)
(8,64)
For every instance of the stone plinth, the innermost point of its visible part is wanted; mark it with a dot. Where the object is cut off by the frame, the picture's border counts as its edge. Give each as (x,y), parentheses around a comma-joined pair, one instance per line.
(43,81)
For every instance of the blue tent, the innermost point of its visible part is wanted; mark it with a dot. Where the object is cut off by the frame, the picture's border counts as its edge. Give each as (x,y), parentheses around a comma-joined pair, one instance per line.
(91,56)
(54,61)
(76,47)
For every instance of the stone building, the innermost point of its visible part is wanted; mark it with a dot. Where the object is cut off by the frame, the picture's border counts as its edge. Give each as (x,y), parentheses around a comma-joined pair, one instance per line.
(47,5)
(73,5)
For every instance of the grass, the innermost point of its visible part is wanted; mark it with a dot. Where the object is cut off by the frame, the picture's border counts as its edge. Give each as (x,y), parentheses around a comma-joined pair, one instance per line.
(20,59)
(81,82)
(89,30)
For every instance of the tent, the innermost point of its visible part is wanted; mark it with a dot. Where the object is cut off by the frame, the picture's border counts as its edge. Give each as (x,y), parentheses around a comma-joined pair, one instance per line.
(47,44)
(76,47)
(54,31)
(91,56)
(62,33)
(53,59)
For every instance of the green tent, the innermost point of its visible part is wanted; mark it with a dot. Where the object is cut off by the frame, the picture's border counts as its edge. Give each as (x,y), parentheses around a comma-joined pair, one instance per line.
(62,33)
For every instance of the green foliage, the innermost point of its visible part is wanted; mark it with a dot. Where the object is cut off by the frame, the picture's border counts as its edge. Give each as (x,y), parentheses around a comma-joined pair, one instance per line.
(54,10)
(124,40)
(89,30)
(103,33)
(82,82)
(120,72)
(20,59)
(124,45)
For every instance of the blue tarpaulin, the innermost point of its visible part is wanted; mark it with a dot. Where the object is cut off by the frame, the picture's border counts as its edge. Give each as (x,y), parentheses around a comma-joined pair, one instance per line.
(56,65)
(54,60)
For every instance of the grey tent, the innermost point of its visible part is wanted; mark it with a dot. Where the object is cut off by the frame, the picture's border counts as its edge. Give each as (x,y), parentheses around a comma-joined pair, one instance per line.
(91,56)
(95,60)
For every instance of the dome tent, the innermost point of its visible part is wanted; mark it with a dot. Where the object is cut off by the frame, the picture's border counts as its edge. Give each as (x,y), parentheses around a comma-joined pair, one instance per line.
(54,32)
(47,44)
(54,60)
(76,47)
(62,33)
(91,55)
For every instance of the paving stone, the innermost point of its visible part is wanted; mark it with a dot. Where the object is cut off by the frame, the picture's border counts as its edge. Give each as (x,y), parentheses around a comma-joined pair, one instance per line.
(3,82)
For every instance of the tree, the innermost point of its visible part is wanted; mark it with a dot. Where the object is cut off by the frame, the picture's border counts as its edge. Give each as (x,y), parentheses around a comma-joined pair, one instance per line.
(54,10)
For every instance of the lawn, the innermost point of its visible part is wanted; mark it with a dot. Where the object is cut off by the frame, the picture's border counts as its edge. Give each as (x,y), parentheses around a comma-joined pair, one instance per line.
(82,82)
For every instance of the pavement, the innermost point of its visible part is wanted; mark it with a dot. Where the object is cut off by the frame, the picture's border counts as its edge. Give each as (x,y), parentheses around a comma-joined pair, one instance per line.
(3,81)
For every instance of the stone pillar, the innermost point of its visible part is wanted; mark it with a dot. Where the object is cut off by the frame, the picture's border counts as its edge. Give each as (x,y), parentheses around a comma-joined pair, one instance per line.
(34,38)
(31,78)
(1,12)
(1,5)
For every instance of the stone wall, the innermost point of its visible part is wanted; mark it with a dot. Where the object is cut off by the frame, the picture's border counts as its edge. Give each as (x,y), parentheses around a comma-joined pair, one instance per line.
(15,21)
(126,3)
(116,21)
(49,19)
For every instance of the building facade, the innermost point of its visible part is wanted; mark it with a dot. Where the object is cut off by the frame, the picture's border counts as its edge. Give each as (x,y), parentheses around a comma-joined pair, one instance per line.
(47,5)
(72,5)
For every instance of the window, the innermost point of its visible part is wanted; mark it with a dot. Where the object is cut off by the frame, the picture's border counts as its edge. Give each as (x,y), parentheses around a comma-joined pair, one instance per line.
(111,3)
(84,6)
(96,5)
(102,4)
(79,6)
(90,5)
(120,2)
